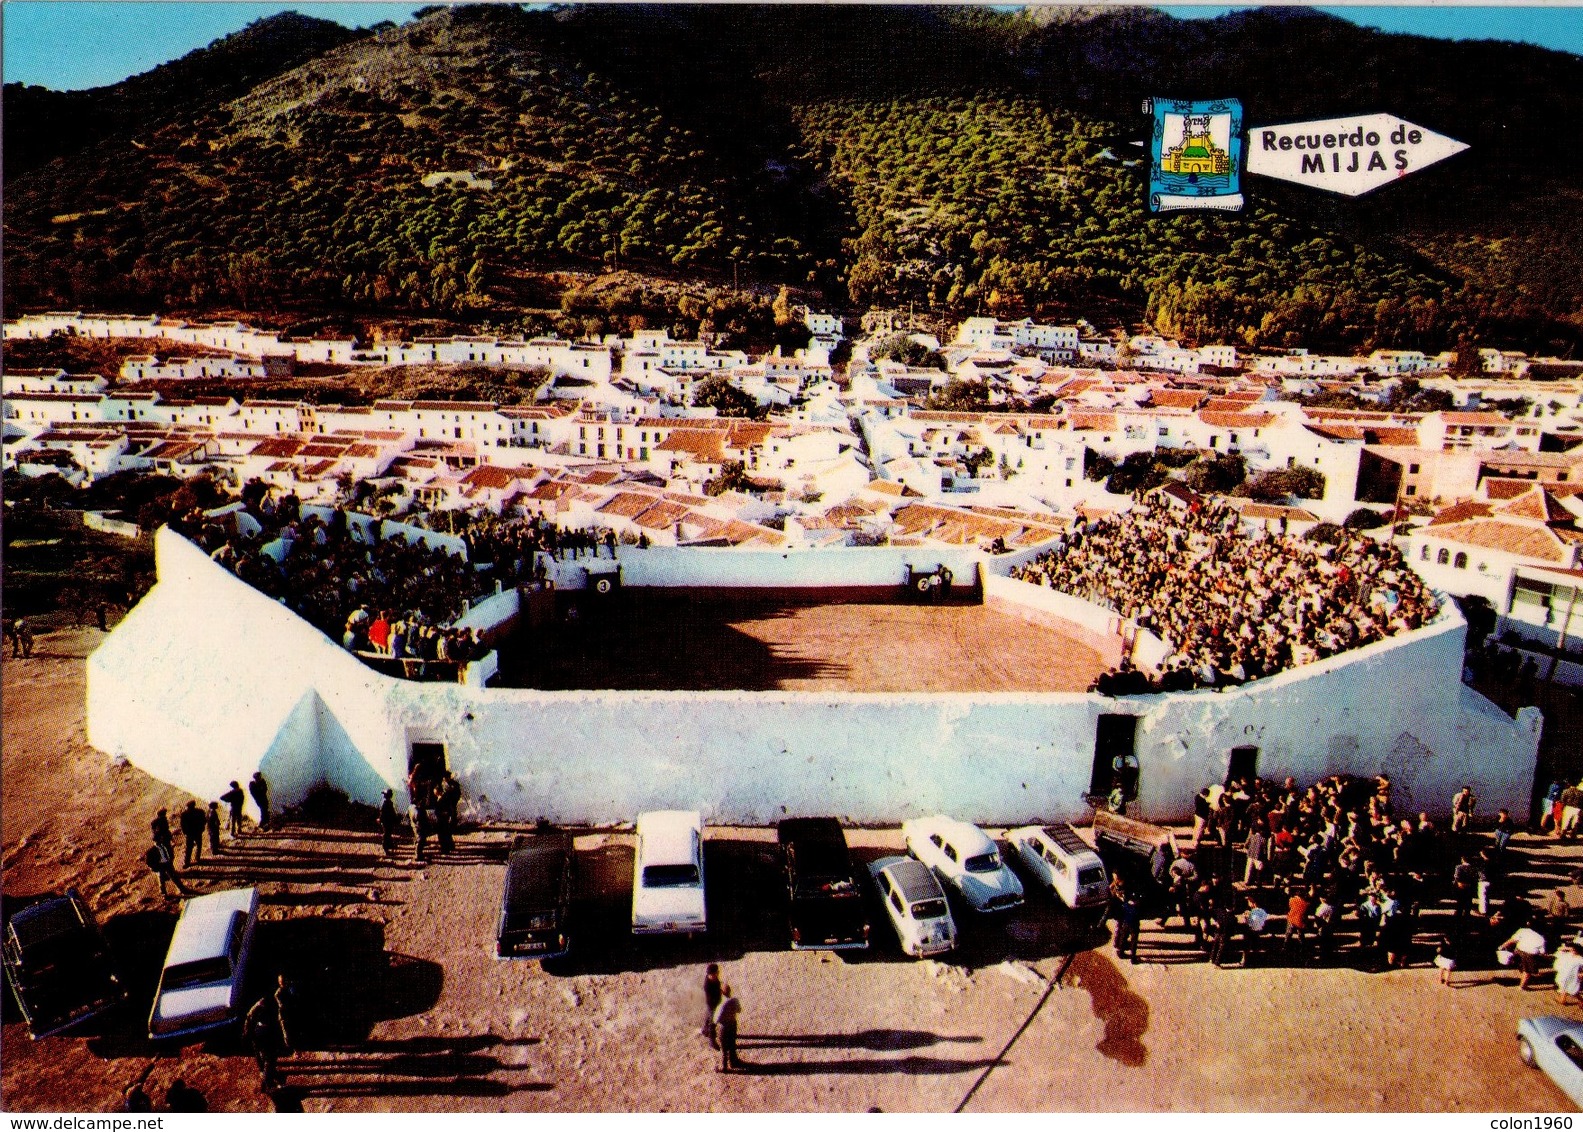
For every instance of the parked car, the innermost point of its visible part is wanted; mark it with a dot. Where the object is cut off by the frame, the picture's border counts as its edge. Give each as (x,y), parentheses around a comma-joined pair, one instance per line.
(916,905)
(826,905)
(1554,1045)
(964,856)
(200,988)
(58,964)
(1141,854)
(668,873)
(538,894)
(1064,861)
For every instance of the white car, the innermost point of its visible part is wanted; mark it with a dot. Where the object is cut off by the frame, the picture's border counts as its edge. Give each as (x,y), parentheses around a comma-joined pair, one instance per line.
(964,856)
(1554,1045)
(668,874)
(1063,860)
(916,905)
(200,987)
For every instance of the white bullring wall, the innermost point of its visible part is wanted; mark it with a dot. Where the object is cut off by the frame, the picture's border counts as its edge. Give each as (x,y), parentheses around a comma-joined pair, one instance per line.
(207,679)
(729,568)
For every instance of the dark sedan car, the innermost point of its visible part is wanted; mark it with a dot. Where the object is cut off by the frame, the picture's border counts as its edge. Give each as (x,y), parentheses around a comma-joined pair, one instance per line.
(533,909)
(826,909)
(58,964)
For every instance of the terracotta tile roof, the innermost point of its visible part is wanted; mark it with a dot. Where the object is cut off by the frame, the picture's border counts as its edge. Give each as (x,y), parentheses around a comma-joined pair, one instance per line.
(1176,398)
(1460,512)
(1091,421)
(1521,540)
(708,446)
(277,447)
(489,477)
(661,515)
(1236,419)
(1535,503)
(627,504)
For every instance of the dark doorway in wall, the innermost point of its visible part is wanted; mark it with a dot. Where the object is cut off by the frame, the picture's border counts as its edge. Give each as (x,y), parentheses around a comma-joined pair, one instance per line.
(1114,737)
(1243,764)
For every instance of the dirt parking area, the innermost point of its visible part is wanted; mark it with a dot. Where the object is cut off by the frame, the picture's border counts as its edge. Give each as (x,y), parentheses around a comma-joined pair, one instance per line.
(407,1009)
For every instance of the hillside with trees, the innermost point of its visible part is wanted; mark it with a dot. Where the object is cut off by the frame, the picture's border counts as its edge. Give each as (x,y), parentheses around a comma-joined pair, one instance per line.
(487,163)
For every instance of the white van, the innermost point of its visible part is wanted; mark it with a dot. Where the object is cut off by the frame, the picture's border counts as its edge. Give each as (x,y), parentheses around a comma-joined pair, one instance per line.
(200,987)
(668,873)
(1063,860)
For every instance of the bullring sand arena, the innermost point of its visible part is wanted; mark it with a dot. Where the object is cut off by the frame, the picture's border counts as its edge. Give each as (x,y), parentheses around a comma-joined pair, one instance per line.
(653,640)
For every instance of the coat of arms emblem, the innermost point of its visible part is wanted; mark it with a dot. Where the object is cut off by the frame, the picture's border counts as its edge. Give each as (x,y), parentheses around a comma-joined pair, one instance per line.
(1195,154)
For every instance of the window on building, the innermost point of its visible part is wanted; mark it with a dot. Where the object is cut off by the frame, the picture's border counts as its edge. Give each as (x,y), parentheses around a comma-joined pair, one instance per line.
(1443,557)
(1412,490)
(1461,562)
(1423,553)
(1412,469)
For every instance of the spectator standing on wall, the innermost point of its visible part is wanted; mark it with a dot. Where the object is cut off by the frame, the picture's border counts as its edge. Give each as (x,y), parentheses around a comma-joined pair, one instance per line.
(259,789)
(211,823)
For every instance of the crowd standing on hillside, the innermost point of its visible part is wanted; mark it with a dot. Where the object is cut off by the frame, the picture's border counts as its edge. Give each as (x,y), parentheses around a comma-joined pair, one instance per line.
(1231,607)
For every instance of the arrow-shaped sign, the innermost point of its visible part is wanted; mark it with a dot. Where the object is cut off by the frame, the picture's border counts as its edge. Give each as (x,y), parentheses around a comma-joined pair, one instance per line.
(1347,155)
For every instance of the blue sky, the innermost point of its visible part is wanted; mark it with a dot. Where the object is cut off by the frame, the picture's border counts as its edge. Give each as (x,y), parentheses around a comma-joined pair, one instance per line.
(72,44)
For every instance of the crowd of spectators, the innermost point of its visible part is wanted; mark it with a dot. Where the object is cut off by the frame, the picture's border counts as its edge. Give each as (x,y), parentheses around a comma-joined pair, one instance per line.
(1231,607)
(388,597)
(1342,870)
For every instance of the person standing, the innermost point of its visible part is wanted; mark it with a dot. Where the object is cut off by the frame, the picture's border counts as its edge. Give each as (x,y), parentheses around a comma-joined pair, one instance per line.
(286,1014)
(259,789)
(1504,828)
(726,1016)
(711,1002)
(418,817)
(162,863)
(389,823)
(211,823)
(1462,806)
(1129,919)
(447,797)
(263,1037)
(234,799)
(193,826)
(160,829)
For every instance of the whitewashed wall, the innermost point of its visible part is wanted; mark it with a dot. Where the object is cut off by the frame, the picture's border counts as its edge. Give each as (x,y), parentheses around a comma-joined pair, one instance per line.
(732,568)
(207,679)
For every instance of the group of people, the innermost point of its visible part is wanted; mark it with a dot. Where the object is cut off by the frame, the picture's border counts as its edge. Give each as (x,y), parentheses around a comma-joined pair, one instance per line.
(1334,852)
(198,825)
(424,650)
(1231,607)
(435,797)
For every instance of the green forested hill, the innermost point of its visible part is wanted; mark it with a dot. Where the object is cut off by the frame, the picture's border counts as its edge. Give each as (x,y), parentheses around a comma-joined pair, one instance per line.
(962,159)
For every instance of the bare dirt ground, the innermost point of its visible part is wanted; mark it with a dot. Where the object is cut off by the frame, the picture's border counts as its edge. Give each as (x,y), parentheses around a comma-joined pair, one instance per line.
(408,1010)
(688,643)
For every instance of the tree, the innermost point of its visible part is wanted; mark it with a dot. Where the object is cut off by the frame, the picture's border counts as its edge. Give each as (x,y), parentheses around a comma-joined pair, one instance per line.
(1216,475)
(959,397)
(732,477)
(715,392)
(974,461)
(1363,519)
(1284,483)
